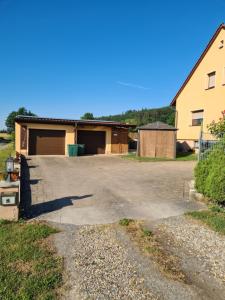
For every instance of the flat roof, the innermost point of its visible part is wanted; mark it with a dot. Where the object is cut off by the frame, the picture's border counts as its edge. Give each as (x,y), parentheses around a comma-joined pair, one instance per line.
(44,120)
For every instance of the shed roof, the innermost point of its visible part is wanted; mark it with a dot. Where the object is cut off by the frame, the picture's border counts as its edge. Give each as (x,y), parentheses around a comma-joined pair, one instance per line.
(44,120)
(157,126)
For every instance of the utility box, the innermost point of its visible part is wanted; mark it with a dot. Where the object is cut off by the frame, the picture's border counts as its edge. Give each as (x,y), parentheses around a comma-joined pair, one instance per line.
(7,199)
(157,140)
(9,203)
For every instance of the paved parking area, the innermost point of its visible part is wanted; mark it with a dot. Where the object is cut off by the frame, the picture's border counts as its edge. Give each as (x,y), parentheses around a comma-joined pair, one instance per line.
(104,189)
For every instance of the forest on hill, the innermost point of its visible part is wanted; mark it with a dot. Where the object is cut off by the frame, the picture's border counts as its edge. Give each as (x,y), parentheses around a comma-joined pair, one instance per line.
(144,116)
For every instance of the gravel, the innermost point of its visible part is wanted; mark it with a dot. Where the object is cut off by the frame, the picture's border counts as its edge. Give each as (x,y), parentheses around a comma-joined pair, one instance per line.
(101,268)
(101,262)
(201,249)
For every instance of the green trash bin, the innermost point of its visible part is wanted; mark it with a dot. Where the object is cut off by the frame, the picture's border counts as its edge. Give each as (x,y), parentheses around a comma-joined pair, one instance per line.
(72,150)
(81,149)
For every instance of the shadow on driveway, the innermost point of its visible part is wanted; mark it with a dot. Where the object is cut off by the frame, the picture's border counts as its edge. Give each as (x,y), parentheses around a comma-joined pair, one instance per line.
(50,206)
(29,211)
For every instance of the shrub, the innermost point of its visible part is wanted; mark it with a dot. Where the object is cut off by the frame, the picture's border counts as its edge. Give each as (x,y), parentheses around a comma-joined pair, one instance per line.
(218,128)
(210,175)
(201,173)
(215,184)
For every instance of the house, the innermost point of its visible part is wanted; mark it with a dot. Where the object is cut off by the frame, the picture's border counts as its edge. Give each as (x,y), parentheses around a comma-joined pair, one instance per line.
(48,136)
(201,98)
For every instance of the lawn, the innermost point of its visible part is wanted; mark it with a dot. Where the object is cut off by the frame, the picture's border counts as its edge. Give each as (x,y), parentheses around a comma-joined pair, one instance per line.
(214,218)
(4,135)
(5,153)
(29,267)
(180,157)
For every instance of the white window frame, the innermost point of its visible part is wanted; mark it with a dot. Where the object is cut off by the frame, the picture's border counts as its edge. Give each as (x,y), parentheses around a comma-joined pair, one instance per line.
(210,85)
(195,119)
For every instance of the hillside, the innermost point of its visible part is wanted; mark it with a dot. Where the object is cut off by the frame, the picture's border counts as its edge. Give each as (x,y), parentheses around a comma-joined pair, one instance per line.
(144,116)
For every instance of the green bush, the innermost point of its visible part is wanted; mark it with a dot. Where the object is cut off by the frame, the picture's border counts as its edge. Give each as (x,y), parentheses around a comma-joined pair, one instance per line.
(201,173)
(215,184)
(210,175)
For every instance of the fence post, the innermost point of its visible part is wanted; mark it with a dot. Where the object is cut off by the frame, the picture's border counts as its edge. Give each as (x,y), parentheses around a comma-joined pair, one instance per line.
(200,145)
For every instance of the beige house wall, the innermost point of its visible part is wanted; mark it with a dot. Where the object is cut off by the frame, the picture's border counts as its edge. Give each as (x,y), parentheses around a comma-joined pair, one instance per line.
(70,137)
(196,96)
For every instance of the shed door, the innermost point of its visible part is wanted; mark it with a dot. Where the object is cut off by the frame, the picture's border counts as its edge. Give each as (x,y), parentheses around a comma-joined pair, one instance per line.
(119,140)
(94,141)
(46,142)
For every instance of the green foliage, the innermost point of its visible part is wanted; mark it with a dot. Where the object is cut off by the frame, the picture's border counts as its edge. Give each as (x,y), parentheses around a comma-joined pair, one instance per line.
(29,268)
(144,116)
(210,174)
(88,116)
(180,157)
(215,183)
(4,154)
(213,218)
(201,173)
(147,232)
(125,222)
(218,128)
(10,121)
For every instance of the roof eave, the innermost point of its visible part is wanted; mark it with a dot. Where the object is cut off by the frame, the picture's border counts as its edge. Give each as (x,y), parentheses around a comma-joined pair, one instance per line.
(71,122)
(222,26)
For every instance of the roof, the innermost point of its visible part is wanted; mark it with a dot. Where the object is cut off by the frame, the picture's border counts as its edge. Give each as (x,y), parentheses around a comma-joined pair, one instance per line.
(44,120)
(221,27)
(157,126)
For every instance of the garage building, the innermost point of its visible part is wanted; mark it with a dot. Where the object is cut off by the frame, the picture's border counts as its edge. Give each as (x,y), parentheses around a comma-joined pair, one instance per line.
(48,136)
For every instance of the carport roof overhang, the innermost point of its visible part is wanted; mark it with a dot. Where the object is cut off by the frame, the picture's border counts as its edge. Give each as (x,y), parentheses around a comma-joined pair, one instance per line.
(43,120)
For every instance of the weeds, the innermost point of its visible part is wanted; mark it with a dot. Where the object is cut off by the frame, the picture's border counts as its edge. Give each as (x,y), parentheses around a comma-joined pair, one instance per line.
(125,222)
(149,245)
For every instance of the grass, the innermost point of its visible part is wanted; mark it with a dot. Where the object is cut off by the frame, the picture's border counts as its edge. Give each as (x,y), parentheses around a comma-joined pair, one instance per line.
(214,218)
(5,153)
(186,156)
(29,268)
(149,245)
(5,136)
(125,222)
(180,157)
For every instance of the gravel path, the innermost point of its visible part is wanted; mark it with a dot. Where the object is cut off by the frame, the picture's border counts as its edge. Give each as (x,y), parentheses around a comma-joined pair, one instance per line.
(201,250)
(102,263)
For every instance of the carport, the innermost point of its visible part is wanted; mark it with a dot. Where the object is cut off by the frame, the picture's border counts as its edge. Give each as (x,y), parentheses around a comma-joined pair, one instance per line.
(50,136)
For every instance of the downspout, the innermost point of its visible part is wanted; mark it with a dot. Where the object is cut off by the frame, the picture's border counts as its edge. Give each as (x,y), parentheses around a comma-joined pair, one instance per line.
(75,133)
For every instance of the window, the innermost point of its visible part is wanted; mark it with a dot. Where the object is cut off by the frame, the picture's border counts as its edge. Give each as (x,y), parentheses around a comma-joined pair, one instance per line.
(197,117)
(211,80)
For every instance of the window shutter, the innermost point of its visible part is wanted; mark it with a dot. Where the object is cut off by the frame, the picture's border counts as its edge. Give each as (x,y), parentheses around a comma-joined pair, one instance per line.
(197,115)
(212,80)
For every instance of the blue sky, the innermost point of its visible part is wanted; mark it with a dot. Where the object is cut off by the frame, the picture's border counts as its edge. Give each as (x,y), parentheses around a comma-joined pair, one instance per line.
(62,58)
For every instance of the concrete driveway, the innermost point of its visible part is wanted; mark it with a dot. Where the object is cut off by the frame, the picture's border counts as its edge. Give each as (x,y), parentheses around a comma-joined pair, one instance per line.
(104,189)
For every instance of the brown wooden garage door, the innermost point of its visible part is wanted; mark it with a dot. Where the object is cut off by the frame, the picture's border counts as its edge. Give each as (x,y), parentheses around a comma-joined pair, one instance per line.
(46,142)
(94,141)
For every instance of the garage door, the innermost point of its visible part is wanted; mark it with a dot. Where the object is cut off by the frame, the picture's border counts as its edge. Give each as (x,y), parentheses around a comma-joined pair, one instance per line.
(46,142)
(94,141)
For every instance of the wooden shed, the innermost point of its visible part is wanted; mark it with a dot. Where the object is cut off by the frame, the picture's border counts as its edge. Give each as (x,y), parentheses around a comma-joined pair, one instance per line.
(157,140)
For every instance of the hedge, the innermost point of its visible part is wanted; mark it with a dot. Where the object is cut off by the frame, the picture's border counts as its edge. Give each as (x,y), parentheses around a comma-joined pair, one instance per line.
(210,174)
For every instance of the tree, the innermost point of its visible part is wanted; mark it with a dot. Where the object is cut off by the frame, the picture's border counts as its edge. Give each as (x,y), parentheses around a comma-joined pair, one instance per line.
(10,121)
(218,128)
(88,116)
